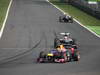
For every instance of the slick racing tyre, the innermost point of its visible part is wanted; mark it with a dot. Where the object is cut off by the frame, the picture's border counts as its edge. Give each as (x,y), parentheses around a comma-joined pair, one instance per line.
(56,42)
(70,20)
(68,59)
(60,19)
(76,56)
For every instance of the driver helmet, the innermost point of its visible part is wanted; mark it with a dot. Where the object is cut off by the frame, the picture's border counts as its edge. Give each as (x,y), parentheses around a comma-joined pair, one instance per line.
(67,34)
(61,46)
(69,16)
(64,13)
(65,37)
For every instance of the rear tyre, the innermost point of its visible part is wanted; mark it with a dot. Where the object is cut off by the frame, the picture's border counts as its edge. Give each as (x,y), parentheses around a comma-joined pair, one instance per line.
(71,20)
(60,19)
(55,44)
(76,56)
(68,59)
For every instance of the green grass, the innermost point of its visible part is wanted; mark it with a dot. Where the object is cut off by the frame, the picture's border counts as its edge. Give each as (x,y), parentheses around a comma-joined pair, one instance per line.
(3,8)
(84,18)
(95,29)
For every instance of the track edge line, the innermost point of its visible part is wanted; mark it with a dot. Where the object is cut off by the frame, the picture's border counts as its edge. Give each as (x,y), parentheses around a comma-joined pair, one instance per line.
(4,22)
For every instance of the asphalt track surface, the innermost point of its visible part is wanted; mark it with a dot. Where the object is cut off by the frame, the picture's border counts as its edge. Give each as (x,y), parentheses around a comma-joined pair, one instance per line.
(30,28)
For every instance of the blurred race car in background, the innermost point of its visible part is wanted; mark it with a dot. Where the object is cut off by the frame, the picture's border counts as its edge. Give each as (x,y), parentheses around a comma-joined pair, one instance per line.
(66,18)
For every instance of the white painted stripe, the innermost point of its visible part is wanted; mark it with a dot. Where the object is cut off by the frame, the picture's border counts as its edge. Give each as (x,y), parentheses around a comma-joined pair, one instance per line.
(75,20)
(3,26)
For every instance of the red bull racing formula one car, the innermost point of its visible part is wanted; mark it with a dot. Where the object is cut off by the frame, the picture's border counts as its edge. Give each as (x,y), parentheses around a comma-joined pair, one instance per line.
(56,56)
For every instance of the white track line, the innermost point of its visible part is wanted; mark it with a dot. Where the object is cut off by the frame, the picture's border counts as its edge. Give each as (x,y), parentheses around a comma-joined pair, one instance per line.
(3,26)
(75,20)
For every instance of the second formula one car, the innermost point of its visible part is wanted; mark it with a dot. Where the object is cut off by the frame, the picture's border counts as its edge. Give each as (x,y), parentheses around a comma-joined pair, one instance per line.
(66,40)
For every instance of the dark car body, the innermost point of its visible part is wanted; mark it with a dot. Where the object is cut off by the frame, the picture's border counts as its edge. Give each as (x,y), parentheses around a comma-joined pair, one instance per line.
(66,20)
